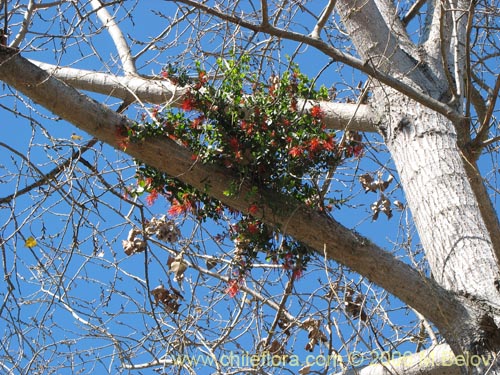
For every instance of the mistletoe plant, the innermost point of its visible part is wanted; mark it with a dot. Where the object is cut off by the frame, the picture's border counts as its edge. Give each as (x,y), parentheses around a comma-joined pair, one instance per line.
(263,136)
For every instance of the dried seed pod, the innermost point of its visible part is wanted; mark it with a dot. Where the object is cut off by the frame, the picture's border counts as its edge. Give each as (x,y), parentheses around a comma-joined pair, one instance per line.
(133,244)
(177,266)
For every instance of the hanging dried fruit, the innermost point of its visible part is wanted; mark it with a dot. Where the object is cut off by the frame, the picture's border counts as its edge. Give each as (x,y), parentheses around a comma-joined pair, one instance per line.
(177,266)
(354,306)
(169,298)
(315,335)
(165,230)
(133,244)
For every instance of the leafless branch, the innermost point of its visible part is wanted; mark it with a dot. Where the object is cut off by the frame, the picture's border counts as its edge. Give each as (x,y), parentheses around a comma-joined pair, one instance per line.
(412,12)
(128,62)
(325,15)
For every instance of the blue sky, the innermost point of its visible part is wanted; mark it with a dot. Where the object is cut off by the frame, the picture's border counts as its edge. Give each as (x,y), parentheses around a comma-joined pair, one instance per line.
(108,289)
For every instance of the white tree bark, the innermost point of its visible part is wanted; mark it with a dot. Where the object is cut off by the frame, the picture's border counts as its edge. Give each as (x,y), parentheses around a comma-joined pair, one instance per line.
(424,147)
(339,116)
(116,34)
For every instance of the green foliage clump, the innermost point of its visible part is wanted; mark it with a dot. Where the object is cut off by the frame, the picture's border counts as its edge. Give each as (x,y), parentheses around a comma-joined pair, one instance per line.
(261,133)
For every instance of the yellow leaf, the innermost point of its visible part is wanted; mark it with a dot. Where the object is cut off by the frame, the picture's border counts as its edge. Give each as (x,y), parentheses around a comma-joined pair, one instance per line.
(30,242)
(76,137)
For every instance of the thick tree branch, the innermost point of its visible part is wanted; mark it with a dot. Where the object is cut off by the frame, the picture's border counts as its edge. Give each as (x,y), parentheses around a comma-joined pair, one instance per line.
(338,116)
(313,228)
(378,37)
(412,12)
(116,34)
(146,90)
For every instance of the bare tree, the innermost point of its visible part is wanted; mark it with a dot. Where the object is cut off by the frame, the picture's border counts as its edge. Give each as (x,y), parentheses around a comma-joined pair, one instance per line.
(98,281)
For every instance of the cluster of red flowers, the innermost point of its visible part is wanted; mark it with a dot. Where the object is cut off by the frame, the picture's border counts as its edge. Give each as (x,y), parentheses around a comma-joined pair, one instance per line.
(152,197)
(189,102)
(177,208)
(313,146)
(317,112)
(234,286)
(122,137)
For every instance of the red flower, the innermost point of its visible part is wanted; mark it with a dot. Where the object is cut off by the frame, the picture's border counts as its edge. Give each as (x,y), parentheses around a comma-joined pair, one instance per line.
(295,151)
(297,274)
(253,209)
(177,208)
(123,143)
(357,150)
(234,228)
(188,104)
(122,139)
(263,124)
(202,77)
(253,228)
(195,124)
(288,261)
(154,111)
(238,156)
(152,197)
(233,288)
(329,144)
(314,145)
(187,202)
(316,112)
(247,127)
(234,144)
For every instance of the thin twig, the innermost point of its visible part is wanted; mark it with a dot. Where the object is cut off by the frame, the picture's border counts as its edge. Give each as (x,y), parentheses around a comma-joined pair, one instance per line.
(51,175)
(277,317)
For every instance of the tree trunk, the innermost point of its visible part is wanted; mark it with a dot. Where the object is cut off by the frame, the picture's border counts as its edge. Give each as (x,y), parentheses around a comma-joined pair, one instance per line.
(456,241)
